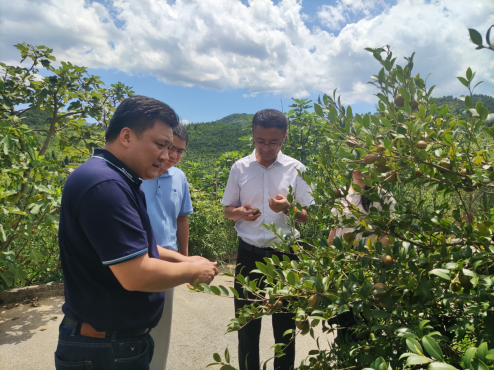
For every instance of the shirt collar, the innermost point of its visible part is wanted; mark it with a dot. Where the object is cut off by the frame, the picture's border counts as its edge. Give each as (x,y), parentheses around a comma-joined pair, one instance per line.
(280,157)
(118,165)
(170,172)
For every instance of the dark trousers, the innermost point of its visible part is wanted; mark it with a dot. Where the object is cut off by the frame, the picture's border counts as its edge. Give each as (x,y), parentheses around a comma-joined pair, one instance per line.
(77,352)
(249,335)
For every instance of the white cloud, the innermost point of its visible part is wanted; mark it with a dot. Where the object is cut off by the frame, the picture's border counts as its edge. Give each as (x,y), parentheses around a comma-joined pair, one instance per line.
(184,122)
(263,47)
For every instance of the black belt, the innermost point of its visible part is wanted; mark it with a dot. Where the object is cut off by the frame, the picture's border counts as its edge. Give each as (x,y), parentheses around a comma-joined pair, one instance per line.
(80,327)
(266,252)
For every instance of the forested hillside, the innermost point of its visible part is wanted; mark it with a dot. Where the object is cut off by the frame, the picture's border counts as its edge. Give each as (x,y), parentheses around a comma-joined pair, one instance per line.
(209,140)
(457,106)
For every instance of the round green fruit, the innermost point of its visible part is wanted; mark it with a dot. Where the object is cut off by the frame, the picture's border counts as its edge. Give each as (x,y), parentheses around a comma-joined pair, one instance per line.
(421,144)
(387,260)
(380,148)
(348,236)
(302,325)
(313,300)
(256,210)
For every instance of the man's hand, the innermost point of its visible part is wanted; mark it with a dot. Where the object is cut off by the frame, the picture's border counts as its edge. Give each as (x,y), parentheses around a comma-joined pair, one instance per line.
(248,214)
(205,271)
(279,204)
(192,259)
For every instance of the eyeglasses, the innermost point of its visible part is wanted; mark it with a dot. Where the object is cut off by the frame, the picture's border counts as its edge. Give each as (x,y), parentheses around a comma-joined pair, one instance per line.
(180,151)
(271,145)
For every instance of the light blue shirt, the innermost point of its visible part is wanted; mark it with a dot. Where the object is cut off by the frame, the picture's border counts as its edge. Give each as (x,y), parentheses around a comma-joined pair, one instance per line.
(167,197)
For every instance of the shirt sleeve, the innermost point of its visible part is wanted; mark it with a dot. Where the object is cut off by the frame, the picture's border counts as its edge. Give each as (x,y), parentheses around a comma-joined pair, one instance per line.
(303,191)
(186,206)
(232,194)
(110,218)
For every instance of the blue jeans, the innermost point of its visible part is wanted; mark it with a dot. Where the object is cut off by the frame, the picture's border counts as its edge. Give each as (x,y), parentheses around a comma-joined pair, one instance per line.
(77,352)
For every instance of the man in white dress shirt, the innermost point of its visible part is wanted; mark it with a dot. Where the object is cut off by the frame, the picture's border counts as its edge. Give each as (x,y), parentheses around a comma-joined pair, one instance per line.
(261,180)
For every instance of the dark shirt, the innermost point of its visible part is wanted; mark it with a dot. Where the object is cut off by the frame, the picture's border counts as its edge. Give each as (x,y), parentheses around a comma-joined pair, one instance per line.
(103,221)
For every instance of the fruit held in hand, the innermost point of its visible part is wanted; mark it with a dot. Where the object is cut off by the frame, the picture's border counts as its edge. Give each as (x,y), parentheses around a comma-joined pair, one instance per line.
(348,236)
(399,100)
(313,300)
(387,260)
(256,210)
(421,144)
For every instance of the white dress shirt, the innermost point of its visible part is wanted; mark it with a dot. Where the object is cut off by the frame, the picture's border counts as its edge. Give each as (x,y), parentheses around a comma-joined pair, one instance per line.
(250,183)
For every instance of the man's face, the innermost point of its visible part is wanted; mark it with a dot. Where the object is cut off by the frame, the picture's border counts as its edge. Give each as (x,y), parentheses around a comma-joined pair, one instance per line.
(268,141)
(175,154)
(148,152)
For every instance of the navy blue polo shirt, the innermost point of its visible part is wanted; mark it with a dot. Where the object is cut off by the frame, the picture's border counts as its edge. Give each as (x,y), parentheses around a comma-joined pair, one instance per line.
(103,221)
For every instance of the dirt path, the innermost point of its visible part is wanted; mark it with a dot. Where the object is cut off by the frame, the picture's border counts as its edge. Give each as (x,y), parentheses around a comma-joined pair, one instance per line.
(198,331)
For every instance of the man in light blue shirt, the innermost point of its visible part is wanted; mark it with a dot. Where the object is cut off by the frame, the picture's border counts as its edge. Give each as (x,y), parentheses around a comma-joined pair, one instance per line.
(168,203)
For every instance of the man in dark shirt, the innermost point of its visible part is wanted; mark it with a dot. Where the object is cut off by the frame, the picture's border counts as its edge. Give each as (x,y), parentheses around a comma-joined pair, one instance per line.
(114,272)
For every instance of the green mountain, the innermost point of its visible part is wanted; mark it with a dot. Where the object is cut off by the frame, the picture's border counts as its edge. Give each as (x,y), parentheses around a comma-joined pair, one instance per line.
(209,140)
(457,106)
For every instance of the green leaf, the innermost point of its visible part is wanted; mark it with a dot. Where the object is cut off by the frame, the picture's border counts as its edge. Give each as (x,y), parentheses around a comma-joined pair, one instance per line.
(318,110)
(441,366)
(432,347)
(444,274)
(261,267)
(463,81)
(217,357)
(417,360)
(478,365)
(468,357)
(386,122)
(482,352)
(234,291)
(475,37)
(469,74)
(379,314)
(223,290)
(414,346)
(227,355)
(291,278)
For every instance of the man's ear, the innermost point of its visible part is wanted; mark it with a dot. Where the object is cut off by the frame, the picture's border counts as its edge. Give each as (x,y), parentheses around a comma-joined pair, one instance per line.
(125,137)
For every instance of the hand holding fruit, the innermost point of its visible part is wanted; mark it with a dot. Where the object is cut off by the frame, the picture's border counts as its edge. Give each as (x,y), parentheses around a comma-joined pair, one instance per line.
(278,203)
(249,213)
(205,271)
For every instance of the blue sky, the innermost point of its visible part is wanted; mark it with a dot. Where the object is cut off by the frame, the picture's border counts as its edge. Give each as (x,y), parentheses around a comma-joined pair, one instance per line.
(212,58)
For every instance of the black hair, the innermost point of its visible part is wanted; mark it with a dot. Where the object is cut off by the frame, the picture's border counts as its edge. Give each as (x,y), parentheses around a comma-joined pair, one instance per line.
(181,132)
(268,118)
(365,201)
(139,113)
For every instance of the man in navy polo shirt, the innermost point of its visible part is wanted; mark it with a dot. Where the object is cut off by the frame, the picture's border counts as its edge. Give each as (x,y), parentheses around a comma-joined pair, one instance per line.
(114,272)
(169,204)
